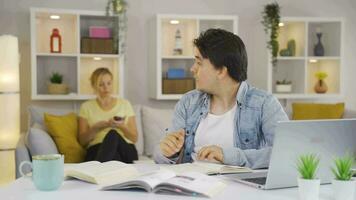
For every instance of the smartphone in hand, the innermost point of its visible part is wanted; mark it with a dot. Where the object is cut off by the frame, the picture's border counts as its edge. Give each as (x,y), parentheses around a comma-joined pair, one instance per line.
(118,118)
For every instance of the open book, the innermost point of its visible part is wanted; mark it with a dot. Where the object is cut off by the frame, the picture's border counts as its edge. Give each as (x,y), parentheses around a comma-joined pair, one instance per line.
(101,173)
(167,182)
(206,168)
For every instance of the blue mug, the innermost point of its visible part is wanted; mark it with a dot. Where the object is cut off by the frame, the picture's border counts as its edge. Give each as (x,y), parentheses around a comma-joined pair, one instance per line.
(47,171)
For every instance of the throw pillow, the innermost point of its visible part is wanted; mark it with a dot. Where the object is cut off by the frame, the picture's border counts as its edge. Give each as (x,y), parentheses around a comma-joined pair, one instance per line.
(39,142)
(63,130)
(154,124)
(36,114)
(305,111)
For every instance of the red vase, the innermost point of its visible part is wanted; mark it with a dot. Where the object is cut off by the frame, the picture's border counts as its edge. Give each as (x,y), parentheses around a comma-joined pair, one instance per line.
(56,41)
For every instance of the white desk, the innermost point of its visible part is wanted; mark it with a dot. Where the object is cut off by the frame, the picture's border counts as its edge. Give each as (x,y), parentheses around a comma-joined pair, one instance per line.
(24,189)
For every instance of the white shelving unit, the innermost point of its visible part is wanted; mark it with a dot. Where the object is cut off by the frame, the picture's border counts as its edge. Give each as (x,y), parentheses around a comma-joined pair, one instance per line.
(75,66)
(162,44)
(301,68)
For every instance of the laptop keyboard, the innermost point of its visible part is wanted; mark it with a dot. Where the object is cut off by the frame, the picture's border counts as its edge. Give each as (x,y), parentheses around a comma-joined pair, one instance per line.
(259,180)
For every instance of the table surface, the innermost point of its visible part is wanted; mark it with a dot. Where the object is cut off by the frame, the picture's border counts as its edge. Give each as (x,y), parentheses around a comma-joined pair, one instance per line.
(23,188)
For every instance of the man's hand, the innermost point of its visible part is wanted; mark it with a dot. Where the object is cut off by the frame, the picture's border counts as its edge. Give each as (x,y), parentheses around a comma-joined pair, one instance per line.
(172,143)
(211,153)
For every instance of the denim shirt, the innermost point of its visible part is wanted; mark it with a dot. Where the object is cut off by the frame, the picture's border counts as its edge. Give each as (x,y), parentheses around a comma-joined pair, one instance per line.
(256,118)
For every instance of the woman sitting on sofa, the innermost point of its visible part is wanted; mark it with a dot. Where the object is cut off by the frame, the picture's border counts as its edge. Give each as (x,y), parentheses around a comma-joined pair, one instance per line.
(107,124)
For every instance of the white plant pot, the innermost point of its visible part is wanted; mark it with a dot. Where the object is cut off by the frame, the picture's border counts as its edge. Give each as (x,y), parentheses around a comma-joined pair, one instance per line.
(283,88)
(308,189)
(344,190)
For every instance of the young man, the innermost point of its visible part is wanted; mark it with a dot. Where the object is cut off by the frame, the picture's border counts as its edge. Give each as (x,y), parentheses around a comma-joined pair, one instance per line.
(225,119)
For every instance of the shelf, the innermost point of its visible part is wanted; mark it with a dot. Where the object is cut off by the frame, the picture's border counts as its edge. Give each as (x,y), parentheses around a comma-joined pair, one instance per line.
(301,68)
(56,54)
(188,31)
(307,96)
(67,26)
(88,65)
(184,64)
(290,70)
(332,68)
(63,65)
(293,30)
(75,67)
(98,55)
(330,39)
(162,56)
(290,58)
(323,58)
(177,57)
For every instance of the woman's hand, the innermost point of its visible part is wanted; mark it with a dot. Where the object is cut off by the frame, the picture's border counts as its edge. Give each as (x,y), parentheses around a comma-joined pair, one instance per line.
(117,123)
(101,125)
(211,153)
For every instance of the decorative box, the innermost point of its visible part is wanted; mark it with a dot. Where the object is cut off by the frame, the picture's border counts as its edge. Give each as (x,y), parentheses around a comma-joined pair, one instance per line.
(99,32)
(97,45)
(175,73)
(177,86)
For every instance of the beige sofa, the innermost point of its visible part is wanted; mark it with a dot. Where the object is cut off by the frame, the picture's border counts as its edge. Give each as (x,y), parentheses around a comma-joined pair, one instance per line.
(151,123)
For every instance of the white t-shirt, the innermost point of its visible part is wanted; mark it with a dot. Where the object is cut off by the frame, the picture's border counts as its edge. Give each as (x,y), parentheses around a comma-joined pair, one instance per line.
(215,130)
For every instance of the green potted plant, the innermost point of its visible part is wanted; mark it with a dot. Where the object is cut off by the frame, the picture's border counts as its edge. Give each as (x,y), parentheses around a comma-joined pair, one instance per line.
(271,19)
(308,184)
(118,8)
(343,184)
(283,86)
(56,85)
(320,85)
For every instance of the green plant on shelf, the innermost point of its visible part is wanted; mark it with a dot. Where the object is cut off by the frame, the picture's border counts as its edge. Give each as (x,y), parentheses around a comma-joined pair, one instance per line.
(271,19)
(343,168)
(56,78)
(283,82)
(321,75)
(307,165)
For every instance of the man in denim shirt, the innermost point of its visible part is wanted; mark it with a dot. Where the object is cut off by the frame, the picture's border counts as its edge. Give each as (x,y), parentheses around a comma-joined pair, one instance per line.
(225,119)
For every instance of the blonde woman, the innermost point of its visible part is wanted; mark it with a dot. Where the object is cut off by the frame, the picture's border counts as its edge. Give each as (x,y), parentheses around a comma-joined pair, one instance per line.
(107,124)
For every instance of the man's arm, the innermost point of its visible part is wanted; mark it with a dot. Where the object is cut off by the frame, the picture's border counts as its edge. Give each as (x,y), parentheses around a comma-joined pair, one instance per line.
(272,112)
(178,122)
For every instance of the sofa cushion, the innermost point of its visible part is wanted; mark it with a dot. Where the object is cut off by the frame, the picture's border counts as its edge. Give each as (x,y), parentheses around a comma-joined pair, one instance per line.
(36,114)
(64,131)
(305,111)
(39,142)
(154,124)
(139,144)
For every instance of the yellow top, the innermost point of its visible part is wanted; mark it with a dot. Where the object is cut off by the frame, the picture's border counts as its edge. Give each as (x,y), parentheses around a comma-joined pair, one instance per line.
(93,113)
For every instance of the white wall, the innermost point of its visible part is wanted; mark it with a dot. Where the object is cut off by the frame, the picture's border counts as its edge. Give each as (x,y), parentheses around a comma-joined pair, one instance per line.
(14,19)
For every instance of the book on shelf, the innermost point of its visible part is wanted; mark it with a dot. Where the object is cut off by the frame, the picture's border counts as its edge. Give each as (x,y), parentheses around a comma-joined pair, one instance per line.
(166,181)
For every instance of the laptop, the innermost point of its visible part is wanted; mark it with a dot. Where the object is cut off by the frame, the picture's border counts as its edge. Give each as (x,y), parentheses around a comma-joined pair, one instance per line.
(326,138)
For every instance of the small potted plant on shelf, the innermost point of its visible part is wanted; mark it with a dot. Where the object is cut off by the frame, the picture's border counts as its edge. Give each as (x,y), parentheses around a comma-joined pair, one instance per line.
(320,85)
(308,184)
(56,86)
(283,86)
(343,184)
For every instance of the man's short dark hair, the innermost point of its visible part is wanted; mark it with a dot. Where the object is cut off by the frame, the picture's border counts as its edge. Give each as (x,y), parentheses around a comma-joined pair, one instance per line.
(224,48)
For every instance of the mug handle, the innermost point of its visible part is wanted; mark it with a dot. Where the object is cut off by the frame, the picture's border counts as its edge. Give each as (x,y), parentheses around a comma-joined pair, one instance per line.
(20,168)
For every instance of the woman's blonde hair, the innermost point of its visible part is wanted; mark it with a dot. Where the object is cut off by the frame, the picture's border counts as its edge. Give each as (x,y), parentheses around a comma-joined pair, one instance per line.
(95,76)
